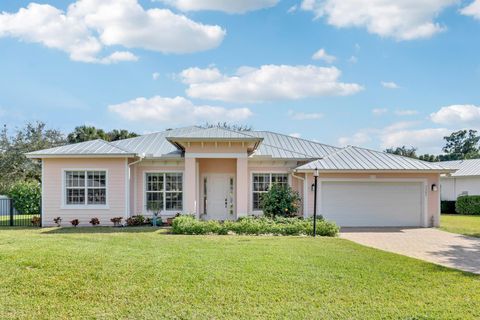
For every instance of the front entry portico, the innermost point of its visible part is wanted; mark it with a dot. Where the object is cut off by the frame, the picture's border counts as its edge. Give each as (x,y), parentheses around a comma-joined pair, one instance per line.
(218,194)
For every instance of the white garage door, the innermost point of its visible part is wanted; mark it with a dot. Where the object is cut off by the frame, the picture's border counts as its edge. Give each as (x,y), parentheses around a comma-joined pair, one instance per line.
(369,204)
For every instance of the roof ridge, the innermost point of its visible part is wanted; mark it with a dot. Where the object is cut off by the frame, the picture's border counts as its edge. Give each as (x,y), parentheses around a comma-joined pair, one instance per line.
(303,139)
(117,147)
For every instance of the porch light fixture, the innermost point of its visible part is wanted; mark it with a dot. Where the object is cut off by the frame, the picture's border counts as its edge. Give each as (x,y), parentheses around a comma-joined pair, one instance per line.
(434,187)
(315,185)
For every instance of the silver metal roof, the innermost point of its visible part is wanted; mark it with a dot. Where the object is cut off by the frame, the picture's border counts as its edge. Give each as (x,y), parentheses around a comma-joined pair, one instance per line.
(465,168)
(355,158)
(213,133)
(94,147)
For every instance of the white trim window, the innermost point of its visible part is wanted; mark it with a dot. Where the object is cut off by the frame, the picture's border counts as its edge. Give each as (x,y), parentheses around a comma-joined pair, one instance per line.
(164,191)
(85,187)
(262,183)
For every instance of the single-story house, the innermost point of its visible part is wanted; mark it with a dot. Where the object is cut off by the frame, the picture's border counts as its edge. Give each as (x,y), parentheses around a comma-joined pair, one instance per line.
(215,173)
(464,181)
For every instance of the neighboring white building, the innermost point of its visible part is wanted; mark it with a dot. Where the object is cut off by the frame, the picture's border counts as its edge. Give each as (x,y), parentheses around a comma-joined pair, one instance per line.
(464,181)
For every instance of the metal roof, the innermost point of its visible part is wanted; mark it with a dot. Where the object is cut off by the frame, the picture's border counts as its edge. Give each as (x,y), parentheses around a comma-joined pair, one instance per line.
(213,133)
(355,158)
(89,148)
(465,168)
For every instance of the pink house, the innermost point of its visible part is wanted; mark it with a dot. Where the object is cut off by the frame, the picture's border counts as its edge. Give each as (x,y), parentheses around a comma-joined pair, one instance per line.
(221,174)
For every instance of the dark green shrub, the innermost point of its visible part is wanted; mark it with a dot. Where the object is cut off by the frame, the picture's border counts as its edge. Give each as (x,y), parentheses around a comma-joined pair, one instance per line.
(26,197)
(94,222)
(75,222)
(468,205)
(254,226)
(280,201)
(136,221)
(447,206)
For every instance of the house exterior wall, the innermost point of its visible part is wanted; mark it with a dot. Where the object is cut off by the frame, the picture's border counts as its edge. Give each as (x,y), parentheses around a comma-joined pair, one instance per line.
(452,187)
(433,197)
(53,190)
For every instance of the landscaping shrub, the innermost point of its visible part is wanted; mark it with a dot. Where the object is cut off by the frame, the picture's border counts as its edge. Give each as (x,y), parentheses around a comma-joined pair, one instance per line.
(280,201)
(75,222)
(26,197)
(116,221)
(36,221)
(468,205)
(94,222)
(448,206)
(136,221)
(254,226)
(58,221)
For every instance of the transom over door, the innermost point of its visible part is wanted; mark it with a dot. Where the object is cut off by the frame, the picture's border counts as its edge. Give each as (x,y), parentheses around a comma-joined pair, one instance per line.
(372,204)
(219,197)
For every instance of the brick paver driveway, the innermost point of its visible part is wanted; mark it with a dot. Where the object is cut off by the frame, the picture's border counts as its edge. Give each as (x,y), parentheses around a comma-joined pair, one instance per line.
(433,245)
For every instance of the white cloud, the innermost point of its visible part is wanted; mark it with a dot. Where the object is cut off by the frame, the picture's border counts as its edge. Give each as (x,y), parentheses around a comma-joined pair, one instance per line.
(304,116)
(90,26)
(406,112)
(426,140)
(155,76)
(473,9)
(457,115)
(292,9)
(358,139)
(295,135)
(321,54)
(176,110)
(228,6)
(379,111)
(401,19)
(389,85)
(267,83)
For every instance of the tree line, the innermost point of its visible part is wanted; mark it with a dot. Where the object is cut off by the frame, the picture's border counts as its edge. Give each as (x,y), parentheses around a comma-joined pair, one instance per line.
(15,167)
(460,145)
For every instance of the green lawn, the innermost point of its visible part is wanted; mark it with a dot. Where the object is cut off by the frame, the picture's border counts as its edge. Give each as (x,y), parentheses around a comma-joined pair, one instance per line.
(140,273)
(456,223)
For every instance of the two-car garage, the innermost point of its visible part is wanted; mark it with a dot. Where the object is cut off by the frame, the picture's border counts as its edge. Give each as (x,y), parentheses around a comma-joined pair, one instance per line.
(373,203)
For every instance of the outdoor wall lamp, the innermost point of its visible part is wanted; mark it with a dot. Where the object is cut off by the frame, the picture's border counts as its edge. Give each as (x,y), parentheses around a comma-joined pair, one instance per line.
(434,187)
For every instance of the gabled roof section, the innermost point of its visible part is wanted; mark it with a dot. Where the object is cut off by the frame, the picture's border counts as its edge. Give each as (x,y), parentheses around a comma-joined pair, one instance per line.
(91,148)
(355,158)
(466,168)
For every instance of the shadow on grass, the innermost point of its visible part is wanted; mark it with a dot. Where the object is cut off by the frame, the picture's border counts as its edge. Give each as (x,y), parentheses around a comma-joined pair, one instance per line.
(93,230)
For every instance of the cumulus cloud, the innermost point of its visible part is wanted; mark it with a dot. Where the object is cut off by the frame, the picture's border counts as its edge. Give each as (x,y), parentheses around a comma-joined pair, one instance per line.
(379,111)
(87,27)
(228,6)
(473,10)
(406,112)
(304,116)
(401,19)
(389,85)
(457,115)
(177,110)
(267,83)
(321,54)
(427,140)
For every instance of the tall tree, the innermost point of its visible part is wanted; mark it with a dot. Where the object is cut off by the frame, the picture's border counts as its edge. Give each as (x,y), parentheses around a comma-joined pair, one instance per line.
(86,133)
(14,165)
(121,134)
(403,151)
(462,144)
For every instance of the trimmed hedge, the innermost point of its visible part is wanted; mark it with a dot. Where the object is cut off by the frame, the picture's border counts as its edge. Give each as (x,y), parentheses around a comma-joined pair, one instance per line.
(468,205)
(188,224)
(447,206)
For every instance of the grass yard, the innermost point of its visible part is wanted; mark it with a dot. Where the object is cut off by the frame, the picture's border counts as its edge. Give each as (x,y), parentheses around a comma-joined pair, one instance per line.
(463,224)
(136,273)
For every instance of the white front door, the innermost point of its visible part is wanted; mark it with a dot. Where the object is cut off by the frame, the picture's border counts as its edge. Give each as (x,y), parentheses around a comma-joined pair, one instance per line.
(219,200)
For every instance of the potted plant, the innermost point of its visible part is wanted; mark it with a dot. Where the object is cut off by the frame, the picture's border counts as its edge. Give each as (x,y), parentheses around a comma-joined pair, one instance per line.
(116,221)
(75,222)
(58,221)
(94,222)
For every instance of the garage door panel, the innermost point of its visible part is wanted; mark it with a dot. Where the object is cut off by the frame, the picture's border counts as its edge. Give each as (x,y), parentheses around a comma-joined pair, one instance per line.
(372,203)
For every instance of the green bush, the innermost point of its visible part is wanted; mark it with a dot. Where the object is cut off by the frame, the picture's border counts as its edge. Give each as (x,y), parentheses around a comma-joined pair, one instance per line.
(137,220)
(254,226)
(468,205)
(26,197)
(280,201)
(447,206)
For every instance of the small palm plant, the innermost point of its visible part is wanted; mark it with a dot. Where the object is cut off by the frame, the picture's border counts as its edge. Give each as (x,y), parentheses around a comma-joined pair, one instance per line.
(155,208)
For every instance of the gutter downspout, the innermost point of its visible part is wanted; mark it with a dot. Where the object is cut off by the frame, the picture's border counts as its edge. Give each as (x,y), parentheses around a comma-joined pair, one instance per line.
(305,192)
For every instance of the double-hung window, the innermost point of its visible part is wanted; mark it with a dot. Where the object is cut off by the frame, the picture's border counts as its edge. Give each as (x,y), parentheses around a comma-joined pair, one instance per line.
(262,182)
(86,187)
(164,191)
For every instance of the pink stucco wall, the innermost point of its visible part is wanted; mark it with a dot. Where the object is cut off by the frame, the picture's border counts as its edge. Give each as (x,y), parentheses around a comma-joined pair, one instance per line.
(53,193)
(433,198)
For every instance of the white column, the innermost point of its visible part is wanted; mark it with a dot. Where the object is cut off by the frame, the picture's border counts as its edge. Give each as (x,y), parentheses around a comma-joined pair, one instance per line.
(242,187)
(190,188)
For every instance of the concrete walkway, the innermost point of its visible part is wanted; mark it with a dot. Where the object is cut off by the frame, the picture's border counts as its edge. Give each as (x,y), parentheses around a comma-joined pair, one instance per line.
(429,244)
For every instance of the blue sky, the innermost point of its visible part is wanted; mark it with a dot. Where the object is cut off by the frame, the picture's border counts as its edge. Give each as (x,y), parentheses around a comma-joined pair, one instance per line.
(389,74)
